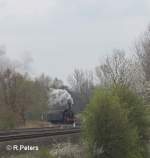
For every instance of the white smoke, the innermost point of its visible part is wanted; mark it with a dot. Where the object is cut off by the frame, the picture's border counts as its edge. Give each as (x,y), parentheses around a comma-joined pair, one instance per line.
(23,65)
(27,60)
(5,62)
(2,50)
(59,98)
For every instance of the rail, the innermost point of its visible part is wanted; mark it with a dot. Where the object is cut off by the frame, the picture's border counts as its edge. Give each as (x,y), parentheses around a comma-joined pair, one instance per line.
(37,133)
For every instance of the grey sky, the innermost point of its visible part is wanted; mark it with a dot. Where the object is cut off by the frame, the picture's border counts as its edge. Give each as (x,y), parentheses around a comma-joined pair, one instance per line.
(65,34)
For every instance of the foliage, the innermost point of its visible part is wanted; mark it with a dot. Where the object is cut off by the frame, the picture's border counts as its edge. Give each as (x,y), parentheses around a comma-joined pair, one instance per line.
(119,69)
(82,85)
(138,112)
(68,150)
(142,49)
(114,124)
(18,95)
(44,153)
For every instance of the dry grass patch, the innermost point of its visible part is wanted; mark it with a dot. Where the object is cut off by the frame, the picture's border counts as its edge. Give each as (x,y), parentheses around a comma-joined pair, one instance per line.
(36,124)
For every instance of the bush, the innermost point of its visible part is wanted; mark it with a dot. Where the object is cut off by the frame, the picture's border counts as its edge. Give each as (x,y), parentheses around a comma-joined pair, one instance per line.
(113,124)
(7,121)
(138,112)
(138,115)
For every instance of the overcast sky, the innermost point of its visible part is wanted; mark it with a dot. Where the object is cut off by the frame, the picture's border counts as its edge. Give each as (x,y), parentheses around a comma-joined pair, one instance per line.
(61,35)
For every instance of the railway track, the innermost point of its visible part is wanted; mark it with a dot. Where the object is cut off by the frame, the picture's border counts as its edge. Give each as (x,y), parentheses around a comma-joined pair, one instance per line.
(27,130)
(20,134)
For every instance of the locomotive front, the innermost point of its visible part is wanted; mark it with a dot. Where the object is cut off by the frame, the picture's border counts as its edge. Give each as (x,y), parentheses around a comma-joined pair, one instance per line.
(60,107)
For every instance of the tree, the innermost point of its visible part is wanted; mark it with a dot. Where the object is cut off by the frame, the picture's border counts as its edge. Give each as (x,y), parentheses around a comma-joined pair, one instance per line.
(57,84)
(118,69)
(39,96)
(23,99)
(44,81)
(82,85)
(114,124)
(142,48)
(15,95)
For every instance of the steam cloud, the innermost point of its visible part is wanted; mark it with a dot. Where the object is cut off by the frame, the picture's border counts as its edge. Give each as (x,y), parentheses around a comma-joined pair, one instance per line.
(23,65)
(59,97)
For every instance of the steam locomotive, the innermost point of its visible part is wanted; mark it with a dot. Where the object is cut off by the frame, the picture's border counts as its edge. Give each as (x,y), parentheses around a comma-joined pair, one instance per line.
(60,107)
(64,116)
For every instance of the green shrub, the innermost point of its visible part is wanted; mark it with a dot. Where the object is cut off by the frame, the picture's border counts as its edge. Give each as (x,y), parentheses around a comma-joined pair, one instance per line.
(113,124)
(44,153)
(139,115)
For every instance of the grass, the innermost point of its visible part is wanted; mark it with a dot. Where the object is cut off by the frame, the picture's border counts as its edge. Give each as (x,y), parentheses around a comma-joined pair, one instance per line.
(65,150)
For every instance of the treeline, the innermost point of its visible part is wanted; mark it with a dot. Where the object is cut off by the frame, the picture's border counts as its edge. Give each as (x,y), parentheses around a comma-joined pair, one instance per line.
(19,94)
